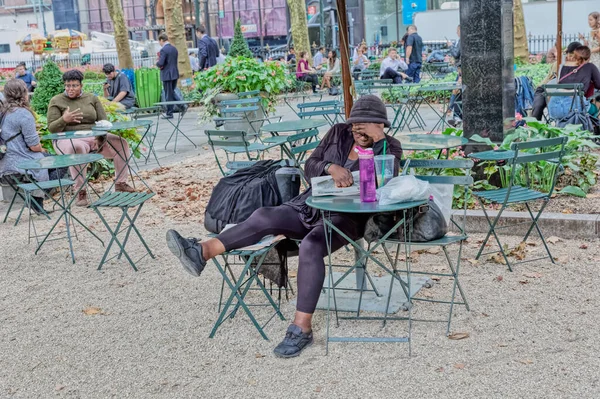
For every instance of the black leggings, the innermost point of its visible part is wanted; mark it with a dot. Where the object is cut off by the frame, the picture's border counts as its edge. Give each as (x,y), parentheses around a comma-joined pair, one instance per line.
(312,78)
(285,220)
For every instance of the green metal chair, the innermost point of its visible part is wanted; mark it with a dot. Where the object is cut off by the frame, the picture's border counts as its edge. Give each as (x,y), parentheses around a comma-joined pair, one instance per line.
(125,202)
(235,142)
(331,111)
(524,157)
(247,109)
(440,172)
(153,114)
(573,90)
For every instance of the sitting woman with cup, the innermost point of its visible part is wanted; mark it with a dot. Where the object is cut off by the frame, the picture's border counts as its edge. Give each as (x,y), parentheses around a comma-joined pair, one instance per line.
(335,156)
(77,110)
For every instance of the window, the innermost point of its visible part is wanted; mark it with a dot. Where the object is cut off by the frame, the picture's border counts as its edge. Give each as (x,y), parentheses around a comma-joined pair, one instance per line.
(4,48)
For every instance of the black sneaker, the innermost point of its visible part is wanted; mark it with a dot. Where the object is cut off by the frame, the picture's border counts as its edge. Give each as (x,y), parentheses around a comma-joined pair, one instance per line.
(188,250)
(294,342)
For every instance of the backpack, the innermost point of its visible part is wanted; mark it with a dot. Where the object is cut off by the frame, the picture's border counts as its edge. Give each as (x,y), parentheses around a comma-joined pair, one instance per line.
(237,196)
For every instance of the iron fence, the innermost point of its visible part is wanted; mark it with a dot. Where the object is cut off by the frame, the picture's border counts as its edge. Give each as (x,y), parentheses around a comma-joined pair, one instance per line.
(73,61)
(541,44)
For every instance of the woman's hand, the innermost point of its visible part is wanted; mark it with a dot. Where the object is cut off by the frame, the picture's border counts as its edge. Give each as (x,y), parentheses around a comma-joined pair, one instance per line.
(72,116)
(341,176)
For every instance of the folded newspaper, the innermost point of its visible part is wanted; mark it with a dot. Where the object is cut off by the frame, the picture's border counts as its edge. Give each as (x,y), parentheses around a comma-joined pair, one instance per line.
(324,185)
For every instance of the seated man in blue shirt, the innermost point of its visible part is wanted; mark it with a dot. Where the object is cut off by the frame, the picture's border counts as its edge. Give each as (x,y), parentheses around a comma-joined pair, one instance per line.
(22,73)
(117,87)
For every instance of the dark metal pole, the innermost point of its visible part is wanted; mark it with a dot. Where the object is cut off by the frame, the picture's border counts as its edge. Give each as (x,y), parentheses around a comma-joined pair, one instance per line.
(397,24)
(206,17)
(321,24)
(345,56)
(197,13)
(260,24)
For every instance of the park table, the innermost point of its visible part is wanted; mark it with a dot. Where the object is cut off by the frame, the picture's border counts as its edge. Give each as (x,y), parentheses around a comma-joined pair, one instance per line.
(352,205)
(180,115)
(493,155)
(428,142)
(56,162)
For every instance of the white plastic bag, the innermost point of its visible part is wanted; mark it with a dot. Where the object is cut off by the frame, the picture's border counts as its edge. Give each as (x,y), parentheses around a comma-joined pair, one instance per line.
(403,189)
(442,196)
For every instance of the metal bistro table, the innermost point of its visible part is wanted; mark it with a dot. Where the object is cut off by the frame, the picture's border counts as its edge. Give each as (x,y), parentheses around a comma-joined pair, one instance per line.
(64,161)
(445,102)
(352,205)
(427,142)
(180,115)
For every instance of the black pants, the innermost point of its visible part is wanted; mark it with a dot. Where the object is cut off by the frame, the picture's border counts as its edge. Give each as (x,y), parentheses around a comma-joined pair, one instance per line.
(285,220)
(312,78)
(390,73)
(539,103)
(170,86)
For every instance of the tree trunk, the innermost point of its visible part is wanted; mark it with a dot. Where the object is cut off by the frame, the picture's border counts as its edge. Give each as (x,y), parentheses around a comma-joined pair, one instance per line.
(520,41)
(176,32)
(299,26)
(115,9)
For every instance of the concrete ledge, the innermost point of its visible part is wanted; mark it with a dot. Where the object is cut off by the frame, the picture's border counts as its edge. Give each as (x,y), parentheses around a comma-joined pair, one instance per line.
(552,224)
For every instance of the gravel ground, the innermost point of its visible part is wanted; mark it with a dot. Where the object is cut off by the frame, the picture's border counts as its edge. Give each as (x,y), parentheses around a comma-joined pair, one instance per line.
(532,333)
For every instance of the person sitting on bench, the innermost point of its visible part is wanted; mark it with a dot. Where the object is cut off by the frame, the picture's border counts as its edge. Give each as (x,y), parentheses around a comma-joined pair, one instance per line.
(335,156)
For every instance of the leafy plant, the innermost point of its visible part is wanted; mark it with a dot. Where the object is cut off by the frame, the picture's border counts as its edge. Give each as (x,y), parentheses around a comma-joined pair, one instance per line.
(49,85)
(239,46)
(241,74)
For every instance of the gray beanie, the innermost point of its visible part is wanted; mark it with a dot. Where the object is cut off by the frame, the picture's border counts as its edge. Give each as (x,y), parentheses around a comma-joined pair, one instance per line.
(369,109)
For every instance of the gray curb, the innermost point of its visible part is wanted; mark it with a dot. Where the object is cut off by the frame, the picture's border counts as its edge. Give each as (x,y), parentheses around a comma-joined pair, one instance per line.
(552,224)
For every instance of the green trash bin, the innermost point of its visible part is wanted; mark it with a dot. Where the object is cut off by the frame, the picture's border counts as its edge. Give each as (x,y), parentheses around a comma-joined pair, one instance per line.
(149,87)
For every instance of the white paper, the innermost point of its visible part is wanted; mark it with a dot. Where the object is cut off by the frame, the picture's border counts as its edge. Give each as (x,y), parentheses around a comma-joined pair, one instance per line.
(324,185)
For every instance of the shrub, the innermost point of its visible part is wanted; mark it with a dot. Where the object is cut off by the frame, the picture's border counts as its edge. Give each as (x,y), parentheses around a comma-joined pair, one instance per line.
(239,46)
(91,75)
(49,85)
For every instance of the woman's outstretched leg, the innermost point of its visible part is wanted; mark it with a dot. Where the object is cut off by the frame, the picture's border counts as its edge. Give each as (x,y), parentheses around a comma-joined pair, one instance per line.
(194,254)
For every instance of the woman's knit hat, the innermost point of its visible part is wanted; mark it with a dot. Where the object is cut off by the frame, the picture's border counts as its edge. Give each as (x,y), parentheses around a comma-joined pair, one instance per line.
(369,109)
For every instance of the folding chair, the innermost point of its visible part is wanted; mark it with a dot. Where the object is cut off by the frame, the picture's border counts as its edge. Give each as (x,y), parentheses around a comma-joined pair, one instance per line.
(252,260)
(126,223)
(563,90)
(148,113)
(537,153)
(329,110)
(234,142)
(433,171)
(247,110)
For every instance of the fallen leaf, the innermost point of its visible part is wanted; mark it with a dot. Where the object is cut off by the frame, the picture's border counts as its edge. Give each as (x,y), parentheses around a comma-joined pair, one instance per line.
(434,250)
(502,345)
(318,389)
(567,211)
(440,369)
(497,258)
(499,278)
(459,366)
(473,262)
(485,314)
(526,361)
(292,274)
(91,310)
(59,388)
(436,278)
(523,282)
(531,244)
(583,246)
(458,335)
(554,239)
(533,275)
(259,355)
(519,251)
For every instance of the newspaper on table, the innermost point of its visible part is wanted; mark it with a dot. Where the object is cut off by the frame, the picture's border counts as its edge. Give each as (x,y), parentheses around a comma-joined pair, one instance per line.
(264,242)
(324,185)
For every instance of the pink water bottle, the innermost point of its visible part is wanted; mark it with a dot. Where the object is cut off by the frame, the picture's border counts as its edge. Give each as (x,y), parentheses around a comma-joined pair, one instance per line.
(367,174)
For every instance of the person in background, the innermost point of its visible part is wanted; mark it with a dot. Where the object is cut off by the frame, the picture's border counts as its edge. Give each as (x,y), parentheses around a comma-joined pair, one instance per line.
(76,110)
(26,76)
(333,67)
(305,73)
(118,87)
(291,57)
(208,49)
(390,65)
(360,62)
(539,98)
(335,156)
(594,42)
(194,62)
(551,55)
(319,59)
(577,69)
(454,48)
(169,73)
(21,139)
(414,54)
